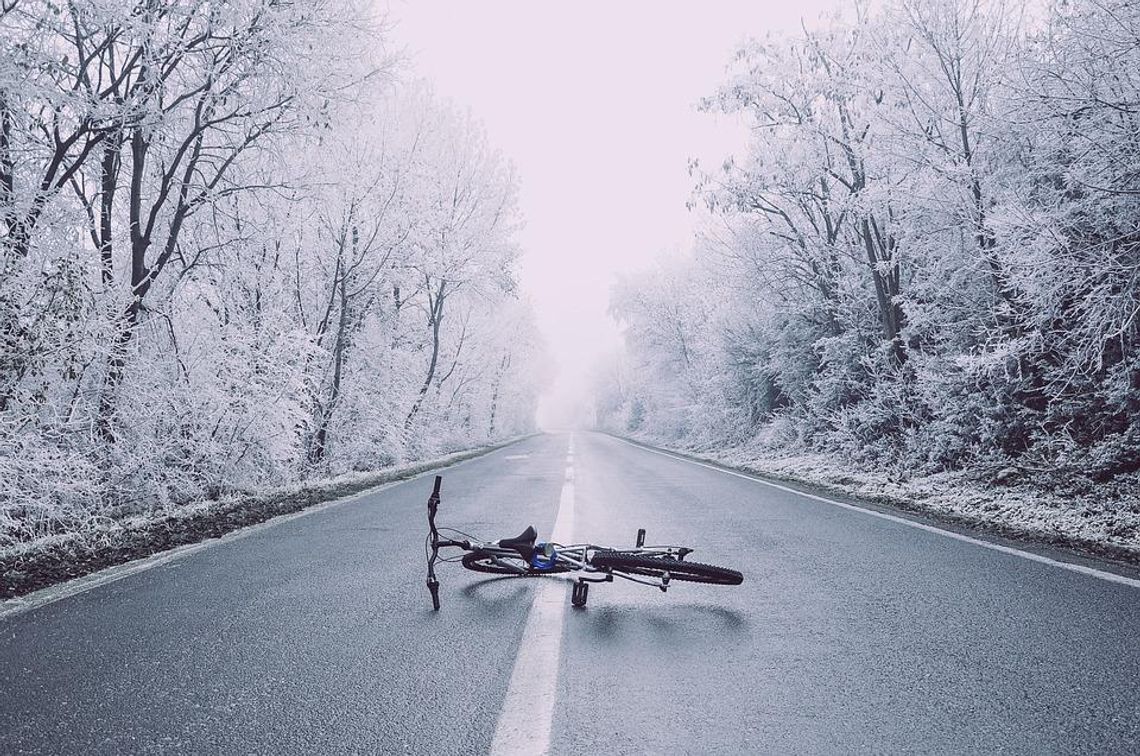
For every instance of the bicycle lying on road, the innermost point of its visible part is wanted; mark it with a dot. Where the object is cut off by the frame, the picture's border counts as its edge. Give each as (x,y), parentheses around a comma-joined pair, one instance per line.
(525,556)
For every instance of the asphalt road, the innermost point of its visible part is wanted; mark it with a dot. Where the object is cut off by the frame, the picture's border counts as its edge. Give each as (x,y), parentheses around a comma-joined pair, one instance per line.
(850,634)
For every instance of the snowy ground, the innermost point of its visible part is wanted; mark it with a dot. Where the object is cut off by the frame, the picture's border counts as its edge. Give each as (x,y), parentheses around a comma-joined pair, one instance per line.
(1103,519)
(29,566)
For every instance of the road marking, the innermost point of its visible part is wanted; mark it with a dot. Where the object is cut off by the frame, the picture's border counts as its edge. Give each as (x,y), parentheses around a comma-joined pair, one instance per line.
(528,710)
(1111,577)
(53,593)
(517,456)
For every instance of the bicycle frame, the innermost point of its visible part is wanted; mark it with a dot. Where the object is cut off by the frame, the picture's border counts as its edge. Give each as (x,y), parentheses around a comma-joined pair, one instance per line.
(574,558)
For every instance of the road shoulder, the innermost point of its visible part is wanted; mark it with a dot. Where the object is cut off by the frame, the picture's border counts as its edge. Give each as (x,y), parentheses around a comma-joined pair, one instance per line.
(1054,545)
(128,547)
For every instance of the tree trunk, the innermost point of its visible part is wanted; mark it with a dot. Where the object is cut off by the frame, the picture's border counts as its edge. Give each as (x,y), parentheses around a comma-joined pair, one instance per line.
(887,285)
(140,242)
(108,175)
(7,168)
(506,363)
(435,310)
(325,412)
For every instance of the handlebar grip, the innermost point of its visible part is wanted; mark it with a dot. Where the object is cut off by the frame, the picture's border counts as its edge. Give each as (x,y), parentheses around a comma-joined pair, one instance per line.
(433,503)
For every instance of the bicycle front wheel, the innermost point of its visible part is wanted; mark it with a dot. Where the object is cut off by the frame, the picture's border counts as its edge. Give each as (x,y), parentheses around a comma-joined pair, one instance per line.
(495,563)
(657,567)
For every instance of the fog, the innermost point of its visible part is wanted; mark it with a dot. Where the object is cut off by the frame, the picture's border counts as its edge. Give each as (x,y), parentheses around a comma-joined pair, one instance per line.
(595,104)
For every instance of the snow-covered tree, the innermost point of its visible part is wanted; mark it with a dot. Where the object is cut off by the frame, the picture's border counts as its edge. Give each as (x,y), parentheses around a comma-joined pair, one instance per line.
(236,250)
(925,257)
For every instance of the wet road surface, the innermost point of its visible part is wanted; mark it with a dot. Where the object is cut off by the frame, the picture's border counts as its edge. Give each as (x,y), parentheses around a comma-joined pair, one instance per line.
(850,634)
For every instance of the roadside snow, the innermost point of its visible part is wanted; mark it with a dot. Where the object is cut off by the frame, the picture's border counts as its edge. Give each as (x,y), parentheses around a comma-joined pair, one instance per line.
(107,542)
(1100,518)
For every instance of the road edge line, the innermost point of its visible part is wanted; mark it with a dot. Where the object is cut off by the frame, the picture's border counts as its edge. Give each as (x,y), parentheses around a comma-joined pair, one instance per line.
(1110,577)
(30,601)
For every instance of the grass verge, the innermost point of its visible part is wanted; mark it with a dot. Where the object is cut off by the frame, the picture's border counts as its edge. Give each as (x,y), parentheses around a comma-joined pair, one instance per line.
(40,564)
(1101,521)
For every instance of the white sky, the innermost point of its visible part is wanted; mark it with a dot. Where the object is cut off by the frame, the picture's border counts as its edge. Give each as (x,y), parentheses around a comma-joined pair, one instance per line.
(595,103)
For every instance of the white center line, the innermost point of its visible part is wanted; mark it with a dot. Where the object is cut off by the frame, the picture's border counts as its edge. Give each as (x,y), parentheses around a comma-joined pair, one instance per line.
(528,711)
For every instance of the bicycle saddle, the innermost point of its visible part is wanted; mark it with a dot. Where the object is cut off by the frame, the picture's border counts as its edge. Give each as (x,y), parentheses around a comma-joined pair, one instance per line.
(523,544)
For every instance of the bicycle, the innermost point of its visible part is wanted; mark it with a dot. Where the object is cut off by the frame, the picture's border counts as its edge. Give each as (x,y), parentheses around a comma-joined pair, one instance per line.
(525,556)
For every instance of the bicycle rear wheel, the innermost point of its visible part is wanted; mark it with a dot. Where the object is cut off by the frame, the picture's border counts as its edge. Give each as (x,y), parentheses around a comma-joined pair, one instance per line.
(496,563)
(656,567)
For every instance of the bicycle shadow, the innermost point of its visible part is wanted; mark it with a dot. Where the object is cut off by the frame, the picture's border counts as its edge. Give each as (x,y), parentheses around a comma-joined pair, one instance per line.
(492,594)
(688,623)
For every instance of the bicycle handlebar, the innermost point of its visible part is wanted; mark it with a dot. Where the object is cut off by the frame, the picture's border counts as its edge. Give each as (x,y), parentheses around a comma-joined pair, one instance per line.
(433,536)
(435,542)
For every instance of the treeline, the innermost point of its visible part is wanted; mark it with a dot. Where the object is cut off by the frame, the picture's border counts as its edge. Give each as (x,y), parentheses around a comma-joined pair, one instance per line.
(237,251)
(928,258)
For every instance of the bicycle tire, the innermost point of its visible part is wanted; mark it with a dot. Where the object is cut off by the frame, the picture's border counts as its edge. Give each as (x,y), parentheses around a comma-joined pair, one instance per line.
(655,567)
(490,562)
